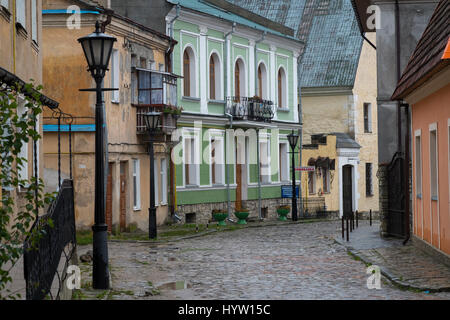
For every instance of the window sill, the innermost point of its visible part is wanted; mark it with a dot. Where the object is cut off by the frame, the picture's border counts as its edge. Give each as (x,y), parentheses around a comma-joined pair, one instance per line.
(216,101)
(115,102)
(35,46)
(4,12)
(283,110)
(194,99)
(434,199)
(21,30)
(419,196)
(137,209)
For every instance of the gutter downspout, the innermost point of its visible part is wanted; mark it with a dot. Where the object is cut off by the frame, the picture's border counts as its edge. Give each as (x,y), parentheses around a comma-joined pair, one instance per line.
(256,61)
(227,169)
(226,66)
(170,51)
(257,130)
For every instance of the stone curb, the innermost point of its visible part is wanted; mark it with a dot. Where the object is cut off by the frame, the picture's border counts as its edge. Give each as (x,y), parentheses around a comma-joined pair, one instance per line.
(273,224)
(391,277)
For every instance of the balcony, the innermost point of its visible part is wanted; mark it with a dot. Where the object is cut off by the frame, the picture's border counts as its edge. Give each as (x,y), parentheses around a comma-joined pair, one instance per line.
(156,92)
(250,109)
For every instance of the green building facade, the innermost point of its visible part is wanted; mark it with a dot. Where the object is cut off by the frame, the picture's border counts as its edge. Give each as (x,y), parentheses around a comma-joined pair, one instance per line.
(239,94)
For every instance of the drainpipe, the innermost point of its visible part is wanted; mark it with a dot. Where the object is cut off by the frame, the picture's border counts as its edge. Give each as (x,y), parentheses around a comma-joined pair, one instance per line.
(256,61)
(257,130)
(227,169)
(225,60)
(407,175)
(226,66)
(398,61)
(170,51)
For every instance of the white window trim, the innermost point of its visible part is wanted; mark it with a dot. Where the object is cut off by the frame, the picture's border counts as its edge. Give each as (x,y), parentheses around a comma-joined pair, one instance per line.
(418,134)
(137,188)
(21,15)
(285,92)
(156,174)
(265,139)
(265,78)
(287,164)
(5,4)
(34,21)
(115,76)
(434,127)
(189,134)
(163,175)
(217,136)
(194,76)
(219,77)
(243,75)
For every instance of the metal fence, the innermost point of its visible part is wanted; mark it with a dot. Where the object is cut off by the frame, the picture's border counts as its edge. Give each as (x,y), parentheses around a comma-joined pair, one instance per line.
(42,257)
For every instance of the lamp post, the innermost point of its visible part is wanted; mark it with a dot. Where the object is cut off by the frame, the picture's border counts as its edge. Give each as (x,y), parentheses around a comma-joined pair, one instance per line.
(152,123)
(97,48)
(293,140)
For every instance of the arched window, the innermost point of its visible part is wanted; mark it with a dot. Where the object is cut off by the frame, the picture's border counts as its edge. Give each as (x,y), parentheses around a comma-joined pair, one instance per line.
(239,79)
(282,89)
(214,78)
(189,73)
(262,81)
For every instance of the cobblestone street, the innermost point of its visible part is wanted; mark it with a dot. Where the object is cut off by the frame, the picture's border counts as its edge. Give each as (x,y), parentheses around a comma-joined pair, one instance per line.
(286,262)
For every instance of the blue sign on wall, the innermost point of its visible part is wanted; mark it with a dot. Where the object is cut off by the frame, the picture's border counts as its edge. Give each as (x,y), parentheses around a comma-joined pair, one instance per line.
(286,191)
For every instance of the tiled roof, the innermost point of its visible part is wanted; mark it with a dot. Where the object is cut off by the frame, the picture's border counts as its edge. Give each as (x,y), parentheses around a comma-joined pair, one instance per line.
(208,8)
(429,56)
(330,30)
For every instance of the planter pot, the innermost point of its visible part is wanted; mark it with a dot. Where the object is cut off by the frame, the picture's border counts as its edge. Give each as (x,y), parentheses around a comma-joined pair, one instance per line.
(282,213)
(242,216)
(220,217)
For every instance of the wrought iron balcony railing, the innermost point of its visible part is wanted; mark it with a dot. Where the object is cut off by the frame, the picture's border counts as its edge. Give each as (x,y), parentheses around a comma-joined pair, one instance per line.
(252,109)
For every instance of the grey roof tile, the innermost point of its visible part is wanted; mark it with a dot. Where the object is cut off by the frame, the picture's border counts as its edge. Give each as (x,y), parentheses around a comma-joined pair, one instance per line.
(330,29)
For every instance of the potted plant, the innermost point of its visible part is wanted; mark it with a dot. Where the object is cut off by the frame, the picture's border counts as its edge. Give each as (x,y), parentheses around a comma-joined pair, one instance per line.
(220,216)
(283,211)
(242,215)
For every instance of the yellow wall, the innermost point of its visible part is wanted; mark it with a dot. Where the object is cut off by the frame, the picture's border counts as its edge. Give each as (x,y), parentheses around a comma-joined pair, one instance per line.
(23,57)
(331,110)
(324,151)
(65,72)
(365,91)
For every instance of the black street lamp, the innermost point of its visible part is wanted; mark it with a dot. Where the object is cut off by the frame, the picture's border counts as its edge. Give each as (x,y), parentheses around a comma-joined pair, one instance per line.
(293,140)
(97,48)
(152,122)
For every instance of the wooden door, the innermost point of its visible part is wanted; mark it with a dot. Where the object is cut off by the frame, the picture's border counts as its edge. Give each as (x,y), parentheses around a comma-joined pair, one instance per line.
(109,198)
(347,190)
(123,197)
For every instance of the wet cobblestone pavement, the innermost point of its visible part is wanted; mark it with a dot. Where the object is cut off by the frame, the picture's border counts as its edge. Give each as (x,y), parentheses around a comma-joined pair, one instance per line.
(286,262)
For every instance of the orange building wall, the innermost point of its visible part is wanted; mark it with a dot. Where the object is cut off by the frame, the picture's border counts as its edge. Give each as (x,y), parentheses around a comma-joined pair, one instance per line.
(432,218)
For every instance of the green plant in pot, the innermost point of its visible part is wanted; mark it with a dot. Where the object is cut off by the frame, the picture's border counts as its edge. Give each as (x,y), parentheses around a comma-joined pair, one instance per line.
(283,211)
(220,216)
(242,215)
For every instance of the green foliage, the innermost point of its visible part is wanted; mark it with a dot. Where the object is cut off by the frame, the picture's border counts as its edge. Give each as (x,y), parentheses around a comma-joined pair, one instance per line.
(19,116)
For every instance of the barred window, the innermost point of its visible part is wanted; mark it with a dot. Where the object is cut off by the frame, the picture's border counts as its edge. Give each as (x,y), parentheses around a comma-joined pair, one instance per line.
(369,184)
